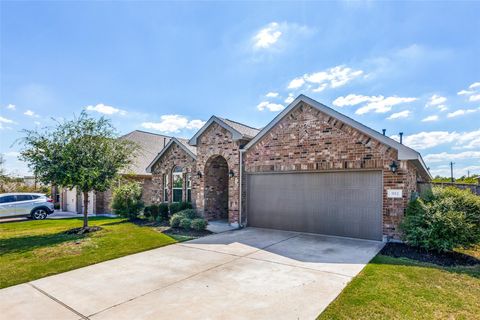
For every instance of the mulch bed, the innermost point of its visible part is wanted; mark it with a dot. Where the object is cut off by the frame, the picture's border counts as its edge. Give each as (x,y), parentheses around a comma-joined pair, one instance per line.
(188,233)
(83,230)
(444,259)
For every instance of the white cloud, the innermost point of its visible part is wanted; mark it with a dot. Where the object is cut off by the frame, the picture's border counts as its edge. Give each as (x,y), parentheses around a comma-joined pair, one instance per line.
(473,92)
(104,109)
(12,154)
(430,118)
(30,113)
(11,107)
(290,98)
(430,139)
(474,97)
(379,104)
(173,123)
(296,83)
(435,100)
(5,120)
(272,95)
(267,36)
(398,115)
(270,106)
(461,112)
(444,156)
(442,107)
(331,78)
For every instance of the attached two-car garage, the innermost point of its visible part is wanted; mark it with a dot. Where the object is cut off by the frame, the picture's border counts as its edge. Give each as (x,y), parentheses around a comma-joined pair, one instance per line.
(343,203)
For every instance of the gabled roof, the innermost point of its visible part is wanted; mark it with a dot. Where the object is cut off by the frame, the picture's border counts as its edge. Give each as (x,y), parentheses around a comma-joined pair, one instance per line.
(404,152)
(182,143)
(238,130)
(150,144)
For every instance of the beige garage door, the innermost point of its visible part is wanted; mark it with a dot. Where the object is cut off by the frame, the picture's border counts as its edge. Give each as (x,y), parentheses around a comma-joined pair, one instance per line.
(345,204)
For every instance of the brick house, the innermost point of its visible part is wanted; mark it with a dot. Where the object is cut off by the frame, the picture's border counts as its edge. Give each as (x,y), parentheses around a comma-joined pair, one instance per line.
(311,169)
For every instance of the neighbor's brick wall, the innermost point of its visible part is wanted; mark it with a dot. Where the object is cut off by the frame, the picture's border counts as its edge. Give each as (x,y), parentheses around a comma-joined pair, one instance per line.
(307,139)
(216,140)
(174,156)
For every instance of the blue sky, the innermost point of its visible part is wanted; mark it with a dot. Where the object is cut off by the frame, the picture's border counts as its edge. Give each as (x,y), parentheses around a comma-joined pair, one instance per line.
(167,67)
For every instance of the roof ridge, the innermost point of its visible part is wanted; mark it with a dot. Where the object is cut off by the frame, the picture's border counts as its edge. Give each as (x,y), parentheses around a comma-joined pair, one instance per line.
(148,132)
(243,124)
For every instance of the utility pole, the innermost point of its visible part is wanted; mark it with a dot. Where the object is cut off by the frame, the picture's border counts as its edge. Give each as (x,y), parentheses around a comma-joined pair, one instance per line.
(451,172)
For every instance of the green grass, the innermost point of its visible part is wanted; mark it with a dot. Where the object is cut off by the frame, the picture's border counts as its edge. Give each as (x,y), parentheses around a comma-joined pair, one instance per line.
(399,288)
(34,249)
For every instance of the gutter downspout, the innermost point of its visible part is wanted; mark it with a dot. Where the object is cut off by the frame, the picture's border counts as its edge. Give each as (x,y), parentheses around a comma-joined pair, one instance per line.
(240,224)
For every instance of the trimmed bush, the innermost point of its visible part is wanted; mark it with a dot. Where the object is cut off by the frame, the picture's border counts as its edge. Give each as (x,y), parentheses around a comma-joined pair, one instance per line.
(175,220)
(147,212)
(163,211)
(199,224)
(154,210)
(127,200)
(188,213)
(443,219)
(185,223)
(179,206)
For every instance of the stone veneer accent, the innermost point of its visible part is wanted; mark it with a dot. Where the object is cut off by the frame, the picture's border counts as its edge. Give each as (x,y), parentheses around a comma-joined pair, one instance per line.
(307,139)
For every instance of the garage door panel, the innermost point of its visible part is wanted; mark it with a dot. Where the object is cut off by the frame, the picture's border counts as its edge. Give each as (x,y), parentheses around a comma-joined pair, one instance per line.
(338,203)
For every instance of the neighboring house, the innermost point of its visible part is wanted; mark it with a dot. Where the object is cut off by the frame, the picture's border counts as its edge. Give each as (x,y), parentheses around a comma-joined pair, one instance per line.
(311,169)
(99,202)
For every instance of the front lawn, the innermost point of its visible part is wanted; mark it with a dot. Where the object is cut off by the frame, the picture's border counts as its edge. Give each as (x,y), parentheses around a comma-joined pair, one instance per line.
(34,249)
(400,288)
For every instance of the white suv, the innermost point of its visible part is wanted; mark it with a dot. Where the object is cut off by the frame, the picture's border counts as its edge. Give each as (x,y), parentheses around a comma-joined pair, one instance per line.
(34,205)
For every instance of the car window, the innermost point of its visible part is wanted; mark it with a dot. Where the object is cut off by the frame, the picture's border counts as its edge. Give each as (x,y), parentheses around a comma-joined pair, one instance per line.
(24,197)
(36,196)
(7,199)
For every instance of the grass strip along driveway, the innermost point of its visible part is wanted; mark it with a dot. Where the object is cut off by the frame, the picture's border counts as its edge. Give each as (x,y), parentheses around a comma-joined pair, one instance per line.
(35,249)
(401,288)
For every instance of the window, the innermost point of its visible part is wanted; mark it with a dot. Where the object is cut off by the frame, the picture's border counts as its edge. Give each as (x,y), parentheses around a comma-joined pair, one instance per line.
(165,188)
(189,187)
(177,187)
(24,197)
(7,199)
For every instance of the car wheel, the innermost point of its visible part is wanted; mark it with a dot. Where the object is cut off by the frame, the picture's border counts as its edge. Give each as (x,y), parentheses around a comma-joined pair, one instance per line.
(39,214)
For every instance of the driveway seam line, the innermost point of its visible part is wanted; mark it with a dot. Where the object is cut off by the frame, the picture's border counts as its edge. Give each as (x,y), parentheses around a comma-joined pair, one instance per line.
(58,301)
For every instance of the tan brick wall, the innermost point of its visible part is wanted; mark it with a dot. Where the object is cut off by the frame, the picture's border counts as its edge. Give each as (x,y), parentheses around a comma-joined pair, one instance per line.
(307,139)
(174,156)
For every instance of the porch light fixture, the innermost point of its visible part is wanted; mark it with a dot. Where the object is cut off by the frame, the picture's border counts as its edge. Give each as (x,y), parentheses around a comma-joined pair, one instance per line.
(199,174)
(393,167)
(231,173)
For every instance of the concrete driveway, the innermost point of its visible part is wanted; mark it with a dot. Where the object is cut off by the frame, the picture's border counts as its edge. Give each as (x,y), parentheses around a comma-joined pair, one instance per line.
(245,274)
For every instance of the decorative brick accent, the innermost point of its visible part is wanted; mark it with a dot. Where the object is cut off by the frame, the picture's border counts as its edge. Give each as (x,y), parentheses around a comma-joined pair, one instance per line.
(216,188)
(217,141)
(307,139)
(174,156)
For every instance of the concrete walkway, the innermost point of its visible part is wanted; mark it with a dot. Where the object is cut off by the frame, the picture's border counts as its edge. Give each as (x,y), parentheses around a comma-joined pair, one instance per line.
(245,274)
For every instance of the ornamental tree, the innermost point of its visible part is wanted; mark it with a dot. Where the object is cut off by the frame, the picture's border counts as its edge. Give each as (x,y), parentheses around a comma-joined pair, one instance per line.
(82,153)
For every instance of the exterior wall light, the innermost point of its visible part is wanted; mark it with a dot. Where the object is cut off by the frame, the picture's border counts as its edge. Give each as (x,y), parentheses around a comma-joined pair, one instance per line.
(199,174)
(231,173)
(393,167)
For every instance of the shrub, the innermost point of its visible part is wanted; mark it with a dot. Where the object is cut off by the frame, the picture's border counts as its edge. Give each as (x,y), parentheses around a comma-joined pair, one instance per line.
(127,200)
(154,209)
(199,224)
(443,219)
(179,206)
(147,212)
(185,223)
(188,213)
(175,220)
(163,211)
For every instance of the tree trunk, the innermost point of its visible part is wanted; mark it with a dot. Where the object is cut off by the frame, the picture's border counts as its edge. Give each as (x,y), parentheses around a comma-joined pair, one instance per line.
(85,209)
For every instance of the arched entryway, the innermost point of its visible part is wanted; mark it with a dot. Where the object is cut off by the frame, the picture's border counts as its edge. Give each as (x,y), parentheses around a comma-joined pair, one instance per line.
(216,188)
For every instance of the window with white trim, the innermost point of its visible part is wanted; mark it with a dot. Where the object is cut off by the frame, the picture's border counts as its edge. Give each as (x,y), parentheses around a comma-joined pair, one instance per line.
(177,184)
(165,188)
(189,187)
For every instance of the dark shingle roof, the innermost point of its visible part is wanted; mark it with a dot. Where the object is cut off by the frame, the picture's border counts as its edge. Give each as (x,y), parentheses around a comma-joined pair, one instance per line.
(150,145)
(247,131)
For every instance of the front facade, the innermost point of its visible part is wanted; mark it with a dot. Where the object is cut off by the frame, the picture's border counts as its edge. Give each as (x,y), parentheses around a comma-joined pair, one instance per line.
(311,169)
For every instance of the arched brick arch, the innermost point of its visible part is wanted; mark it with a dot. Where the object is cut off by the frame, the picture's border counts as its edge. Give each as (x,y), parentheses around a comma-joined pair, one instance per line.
(216,188)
